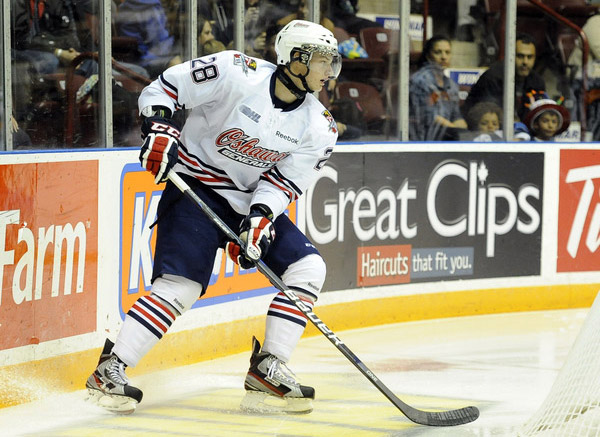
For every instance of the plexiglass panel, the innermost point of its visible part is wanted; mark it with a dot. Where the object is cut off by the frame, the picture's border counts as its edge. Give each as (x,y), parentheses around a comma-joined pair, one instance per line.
(57,101)
(54,72)
(147,38)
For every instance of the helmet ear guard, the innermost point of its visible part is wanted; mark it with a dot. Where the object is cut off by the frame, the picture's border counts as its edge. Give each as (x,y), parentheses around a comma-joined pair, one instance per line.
(300,55)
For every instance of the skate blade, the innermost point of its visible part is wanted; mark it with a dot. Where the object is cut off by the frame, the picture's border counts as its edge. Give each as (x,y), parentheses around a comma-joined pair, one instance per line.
(113,403)
(264,403)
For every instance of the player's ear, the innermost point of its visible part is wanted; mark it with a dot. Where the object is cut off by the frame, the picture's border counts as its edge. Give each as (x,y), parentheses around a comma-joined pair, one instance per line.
(298,68)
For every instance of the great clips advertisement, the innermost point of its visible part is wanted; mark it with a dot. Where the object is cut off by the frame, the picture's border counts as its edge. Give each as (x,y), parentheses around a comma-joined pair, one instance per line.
(392,218)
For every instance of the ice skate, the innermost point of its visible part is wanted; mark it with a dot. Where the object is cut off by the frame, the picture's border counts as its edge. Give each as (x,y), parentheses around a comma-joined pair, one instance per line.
(272,388)
(109,387)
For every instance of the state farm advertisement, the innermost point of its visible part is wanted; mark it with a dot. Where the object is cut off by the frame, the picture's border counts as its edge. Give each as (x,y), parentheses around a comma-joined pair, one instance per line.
(579,211)
(393,218)
(48,251)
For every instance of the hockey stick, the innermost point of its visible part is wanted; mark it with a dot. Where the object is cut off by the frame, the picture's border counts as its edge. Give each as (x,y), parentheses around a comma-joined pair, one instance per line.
(431,418)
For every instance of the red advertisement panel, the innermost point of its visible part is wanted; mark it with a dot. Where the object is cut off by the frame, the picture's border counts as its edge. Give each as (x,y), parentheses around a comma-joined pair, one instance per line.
(383,265)
(579,211)
(48,251)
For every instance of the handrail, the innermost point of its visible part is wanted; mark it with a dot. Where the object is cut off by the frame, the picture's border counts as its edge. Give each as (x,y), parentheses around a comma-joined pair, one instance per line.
(585,47)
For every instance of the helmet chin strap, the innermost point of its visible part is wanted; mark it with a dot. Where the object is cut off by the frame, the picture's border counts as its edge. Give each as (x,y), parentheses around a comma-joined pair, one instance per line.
(289,83)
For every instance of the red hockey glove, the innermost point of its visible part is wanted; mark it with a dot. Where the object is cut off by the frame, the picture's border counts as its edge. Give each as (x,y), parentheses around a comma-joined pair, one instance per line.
(159,150)
(257,232)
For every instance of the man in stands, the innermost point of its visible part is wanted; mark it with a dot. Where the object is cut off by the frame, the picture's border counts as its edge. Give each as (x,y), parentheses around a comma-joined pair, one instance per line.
(490,86)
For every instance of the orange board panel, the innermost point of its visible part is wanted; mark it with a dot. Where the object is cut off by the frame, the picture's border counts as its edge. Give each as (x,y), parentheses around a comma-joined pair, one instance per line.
(48,251)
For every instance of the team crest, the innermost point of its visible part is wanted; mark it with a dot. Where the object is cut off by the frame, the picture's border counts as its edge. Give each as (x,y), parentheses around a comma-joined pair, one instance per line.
(245,62)
(330,120)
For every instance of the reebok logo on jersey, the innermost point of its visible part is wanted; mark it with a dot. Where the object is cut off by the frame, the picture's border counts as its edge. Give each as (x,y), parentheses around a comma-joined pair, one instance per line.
(287,137)
(238,146)
(250,113)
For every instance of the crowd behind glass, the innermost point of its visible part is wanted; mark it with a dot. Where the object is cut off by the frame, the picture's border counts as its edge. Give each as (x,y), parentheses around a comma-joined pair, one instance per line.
(57,46)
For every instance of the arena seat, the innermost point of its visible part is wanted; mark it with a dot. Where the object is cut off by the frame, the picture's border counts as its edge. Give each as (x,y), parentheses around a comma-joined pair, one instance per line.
(379,42)
(369,100)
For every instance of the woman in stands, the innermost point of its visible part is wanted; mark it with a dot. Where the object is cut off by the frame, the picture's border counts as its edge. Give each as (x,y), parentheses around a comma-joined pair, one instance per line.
(434,108)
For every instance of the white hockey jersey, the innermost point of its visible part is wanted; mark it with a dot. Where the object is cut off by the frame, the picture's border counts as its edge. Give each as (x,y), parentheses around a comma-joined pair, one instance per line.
(235,140)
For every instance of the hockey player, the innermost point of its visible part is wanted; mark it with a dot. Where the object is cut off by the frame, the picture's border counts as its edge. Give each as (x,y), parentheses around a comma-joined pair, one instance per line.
(254,141)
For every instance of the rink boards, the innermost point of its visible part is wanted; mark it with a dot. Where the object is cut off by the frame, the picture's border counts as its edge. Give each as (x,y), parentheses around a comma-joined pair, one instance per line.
(409,232)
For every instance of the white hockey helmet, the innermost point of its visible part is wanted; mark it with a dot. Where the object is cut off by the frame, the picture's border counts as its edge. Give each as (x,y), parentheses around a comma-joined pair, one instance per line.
(306,37)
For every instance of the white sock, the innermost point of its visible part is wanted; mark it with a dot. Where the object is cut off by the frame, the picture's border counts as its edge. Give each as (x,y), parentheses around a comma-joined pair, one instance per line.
(145,323)
(285,325)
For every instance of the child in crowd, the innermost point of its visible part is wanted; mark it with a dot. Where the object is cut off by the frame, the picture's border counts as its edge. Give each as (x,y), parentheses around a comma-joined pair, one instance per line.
(546,119)
(484,121)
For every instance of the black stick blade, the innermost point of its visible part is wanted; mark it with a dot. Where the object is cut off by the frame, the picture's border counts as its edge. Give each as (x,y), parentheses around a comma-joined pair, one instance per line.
(443,418)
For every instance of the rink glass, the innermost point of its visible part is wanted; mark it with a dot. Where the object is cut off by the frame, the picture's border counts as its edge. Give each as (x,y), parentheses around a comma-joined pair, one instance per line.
(92,102)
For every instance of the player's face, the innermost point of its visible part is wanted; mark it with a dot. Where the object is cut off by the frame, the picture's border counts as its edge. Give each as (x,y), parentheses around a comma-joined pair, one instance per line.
(524,58)
(547,125)
(440,53)
(320,71)
(489,122)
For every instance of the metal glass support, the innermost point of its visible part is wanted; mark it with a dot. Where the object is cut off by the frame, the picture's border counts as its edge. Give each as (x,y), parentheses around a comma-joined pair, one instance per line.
(105,77)
(403,72)
(6,142)
(190,49)
(509,70)
(314,11)
(239,23)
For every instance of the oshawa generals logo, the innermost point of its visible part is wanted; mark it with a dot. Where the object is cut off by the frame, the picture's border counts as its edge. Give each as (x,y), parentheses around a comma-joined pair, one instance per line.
(236,145)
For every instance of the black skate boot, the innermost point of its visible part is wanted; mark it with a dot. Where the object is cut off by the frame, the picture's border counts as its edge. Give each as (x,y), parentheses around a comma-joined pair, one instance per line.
(109,387)
(272,388)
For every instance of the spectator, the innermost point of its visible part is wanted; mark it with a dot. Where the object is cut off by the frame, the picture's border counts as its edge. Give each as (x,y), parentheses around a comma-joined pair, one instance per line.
(592,30)
(46,37)
(257,41)
(343,13)
(146,21)
(220,14)
(269,53)
(302,14)
(490,86)
(44,33)
(484,121)
(255,22)
(465,22)
(207,43)
(546,118)
(484,117)
(20,139)
(205,33)
(176,17)
(434,110)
